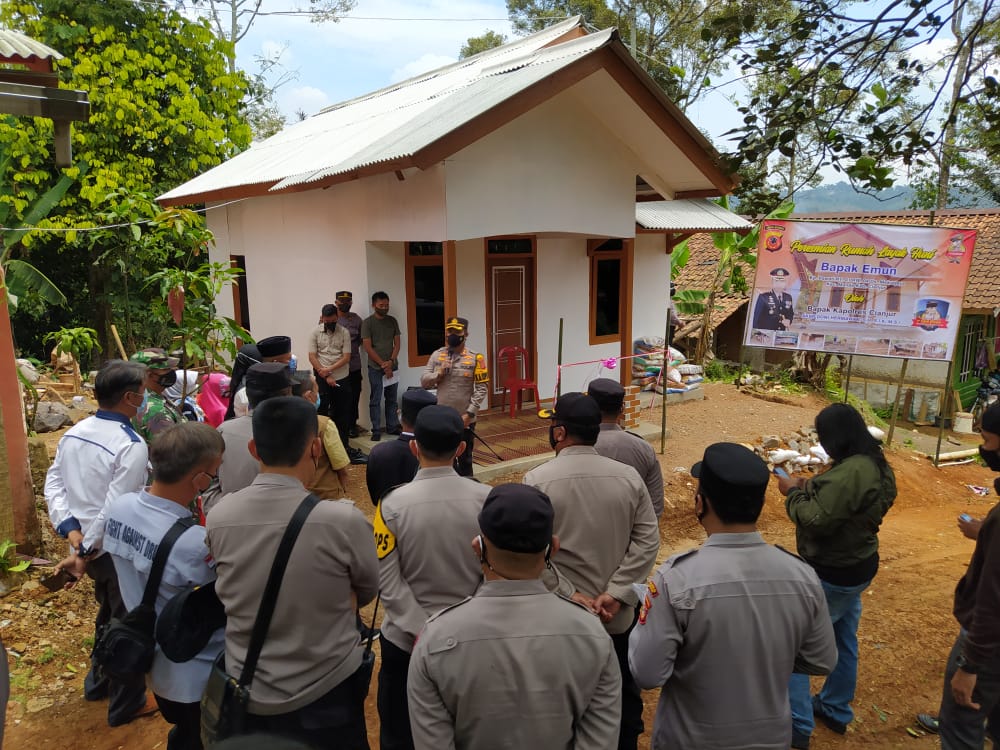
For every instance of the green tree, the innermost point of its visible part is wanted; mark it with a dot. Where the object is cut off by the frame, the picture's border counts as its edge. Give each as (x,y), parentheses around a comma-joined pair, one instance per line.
(164,107)
(476,44)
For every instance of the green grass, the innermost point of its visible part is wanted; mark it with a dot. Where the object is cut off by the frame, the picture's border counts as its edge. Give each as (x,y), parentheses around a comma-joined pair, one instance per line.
(48,654)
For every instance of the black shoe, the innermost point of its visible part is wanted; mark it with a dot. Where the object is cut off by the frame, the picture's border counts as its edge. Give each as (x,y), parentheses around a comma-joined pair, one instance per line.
(832,724)
(376,436)
(354,432)
(397,430)
(800,741)
(928,722)
(356,456)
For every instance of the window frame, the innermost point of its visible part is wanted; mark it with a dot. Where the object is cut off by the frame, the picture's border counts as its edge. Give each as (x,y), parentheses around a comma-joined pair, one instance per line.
(595,255)
(413,357)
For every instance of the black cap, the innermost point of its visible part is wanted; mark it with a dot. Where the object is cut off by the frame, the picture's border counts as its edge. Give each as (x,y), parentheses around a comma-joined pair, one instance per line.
(608,393)
(517,518)
(268,377)
(413,401)
(991,420)
(188,620)
(345,296)
(575,408)
(457,324)
(439,429)
(781,273)
(274,346)
(728,468)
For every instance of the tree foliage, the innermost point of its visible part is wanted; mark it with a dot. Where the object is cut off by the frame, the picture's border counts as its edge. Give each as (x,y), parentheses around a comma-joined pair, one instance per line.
(164,107)
(476,44)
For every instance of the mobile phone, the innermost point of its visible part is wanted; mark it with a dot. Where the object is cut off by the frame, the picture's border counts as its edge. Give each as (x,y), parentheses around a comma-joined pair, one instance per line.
(58,580)
(778,471)
(964,517)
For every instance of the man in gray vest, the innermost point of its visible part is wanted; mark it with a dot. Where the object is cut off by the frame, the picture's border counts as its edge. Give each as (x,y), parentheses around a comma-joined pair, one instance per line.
(731,620)
(514,665)
(627,447)
(607,530)
(424,565)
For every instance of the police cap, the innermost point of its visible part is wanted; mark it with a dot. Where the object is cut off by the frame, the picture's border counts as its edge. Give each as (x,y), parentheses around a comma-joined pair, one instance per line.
(457,324)
(781,273)
(267,378)
(517,518)
(413,401)
(608,393)
(274,346)
(345,296)
(728,469)
(576,409)
(438,429)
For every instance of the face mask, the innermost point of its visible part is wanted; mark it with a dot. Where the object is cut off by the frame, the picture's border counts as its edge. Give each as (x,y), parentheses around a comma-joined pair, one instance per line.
(344,307)
(293,365)
(330,326)
(991,458)
(145,402)
(168,379)
(454,340)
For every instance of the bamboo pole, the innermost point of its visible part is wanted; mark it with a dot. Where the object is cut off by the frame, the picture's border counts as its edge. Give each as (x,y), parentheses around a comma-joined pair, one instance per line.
(118,341)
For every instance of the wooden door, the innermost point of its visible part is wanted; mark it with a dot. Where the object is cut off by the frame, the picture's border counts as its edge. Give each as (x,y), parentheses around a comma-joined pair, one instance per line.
(511,316)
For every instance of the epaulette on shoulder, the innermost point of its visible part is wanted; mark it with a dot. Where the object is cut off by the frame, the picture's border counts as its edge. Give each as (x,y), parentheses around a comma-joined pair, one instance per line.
(437,614)
(633,434)
(789,552)
(390,490)
(132,434)
(672,561)
(570,601)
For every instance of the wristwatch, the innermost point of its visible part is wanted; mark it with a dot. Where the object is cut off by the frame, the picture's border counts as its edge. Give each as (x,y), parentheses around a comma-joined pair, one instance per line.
(962,663)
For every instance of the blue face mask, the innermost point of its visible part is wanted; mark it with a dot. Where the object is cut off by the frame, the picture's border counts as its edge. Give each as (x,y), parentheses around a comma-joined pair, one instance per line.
(145,402)
(293,365)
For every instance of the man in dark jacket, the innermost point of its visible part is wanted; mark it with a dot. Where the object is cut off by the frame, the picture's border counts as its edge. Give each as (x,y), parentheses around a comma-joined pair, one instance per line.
(393,463)
(971,696)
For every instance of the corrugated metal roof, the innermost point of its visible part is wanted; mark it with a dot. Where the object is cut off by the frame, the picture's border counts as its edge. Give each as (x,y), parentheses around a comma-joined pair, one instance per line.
(689,215)
(16,46)
(397,121)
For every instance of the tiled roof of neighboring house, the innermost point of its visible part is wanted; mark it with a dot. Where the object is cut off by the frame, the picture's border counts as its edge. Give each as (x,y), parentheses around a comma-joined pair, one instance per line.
(983,291)
(421,121)
(689,215)
(699,273)
(725,305)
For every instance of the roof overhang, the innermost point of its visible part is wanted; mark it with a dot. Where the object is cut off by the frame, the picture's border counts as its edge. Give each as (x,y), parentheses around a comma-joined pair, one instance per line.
(689,215)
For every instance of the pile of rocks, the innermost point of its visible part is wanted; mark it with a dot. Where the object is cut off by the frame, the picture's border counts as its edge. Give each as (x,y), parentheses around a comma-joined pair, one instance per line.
(797,452)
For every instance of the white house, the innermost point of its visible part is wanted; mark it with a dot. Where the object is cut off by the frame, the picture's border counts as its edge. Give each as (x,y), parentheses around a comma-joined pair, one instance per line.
(502,188)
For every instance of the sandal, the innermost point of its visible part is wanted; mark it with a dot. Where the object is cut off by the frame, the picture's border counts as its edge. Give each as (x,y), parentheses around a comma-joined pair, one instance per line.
(928,722)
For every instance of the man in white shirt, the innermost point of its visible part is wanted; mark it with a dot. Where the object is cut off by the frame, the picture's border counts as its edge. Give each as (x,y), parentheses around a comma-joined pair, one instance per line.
(185,458)
(97,460)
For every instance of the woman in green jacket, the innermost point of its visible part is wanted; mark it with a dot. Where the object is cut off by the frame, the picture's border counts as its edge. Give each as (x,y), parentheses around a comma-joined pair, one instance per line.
(837,515)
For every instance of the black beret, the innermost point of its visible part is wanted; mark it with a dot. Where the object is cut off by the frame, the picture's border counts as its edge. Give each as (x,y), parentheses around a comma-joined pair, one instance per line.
(575,408)
(438,429)
(274,346)
(268,377)
(608,393)
(517,518)
(413,401)
(991,420)
(731,469)
(188,620)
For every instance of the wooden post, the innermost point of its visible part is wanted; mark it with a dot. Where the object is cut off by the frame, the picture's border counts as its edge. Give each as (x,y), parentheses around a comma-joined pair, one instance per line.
(847,384)
(663,400)
(895,405)
(942,412)
(448,267)
(559,362)
(118,341)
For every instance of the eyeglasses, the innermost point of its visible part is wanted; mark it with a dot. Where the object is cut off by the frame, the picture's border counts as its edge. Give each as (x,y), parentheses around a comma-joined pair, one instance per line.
(213,477)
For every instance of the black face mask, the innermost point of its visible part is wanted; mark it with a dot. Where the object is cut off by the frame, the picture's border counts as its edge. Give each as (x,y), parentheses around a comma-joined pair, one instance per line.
(991,458)
(168,379)
(330,326)
(344,307)
(454,340)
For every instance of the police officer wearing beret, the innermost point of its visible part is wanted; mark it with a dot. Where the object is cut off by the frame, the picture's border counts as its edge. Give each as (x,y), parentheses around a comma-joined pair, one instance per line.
(624,446)
(461,378)
(423,564)
(775,309)
(608,531)
(239,468)
(731,620)
(393,463)
(514,665)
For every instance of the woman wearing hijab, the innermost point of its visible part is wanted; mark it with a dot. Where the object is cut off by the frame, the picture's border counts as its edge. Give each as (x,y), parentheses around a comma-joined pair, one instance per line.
(214,397)
(183,394)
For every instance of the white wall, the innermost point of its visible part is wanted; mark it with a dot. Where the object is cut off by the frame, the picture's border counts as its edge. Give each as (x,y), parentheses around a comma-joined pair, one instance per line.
(650,286)
(553,169)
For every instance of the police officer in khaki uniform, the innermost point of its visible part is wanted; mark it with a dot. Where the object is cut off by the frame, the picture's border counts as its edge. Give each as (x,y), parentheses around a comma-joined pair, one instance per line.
(460,377)
(624,446)
(514,665)
(730,620)
(608,532)
(421,531)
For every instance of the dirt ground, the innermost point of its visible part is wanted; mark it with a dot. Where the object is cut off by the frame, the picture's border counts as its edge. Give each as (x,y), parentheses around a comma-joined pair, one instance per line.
(905,634)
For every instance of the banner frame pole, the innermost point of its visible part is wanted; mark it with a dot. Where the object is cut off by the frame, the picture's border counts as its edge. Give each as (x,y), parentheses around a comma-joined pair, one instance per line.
(847,385)
(895,405)
(943,412)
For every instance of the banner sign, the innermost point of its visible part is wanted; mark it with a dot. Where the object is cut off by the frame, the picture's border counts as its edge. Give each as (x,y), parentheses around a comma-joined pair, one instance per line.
(882,290)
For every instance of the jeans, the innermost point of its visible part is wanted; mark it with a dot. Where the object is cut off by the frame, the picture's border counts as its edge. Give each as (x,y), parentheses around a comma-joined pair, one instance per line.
(834,700)
(375,375)
(962,728)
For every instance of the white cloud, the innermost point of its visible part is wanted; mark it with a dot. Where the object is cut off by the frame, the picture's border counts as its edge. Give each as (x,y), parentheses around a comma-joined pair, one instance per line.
(306,98)
(426,62)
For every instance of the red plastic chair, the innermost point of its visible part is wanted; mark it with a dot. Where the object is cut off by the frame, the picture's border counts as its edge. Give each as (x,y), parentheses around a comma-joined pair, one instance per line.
(513,381)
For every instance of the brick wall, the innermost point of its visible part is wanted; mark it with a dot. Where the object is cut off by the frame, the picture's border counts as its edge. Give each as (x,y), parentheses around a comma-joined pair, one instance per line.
(632,410)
